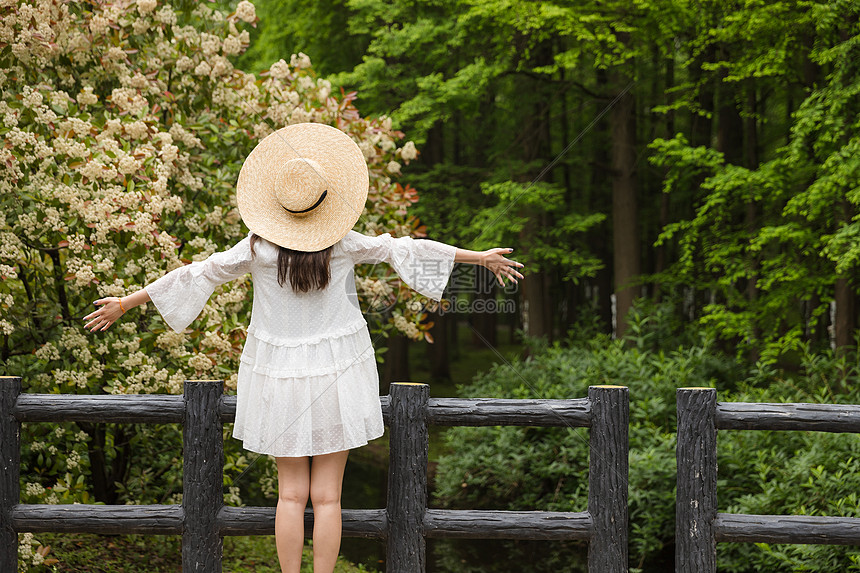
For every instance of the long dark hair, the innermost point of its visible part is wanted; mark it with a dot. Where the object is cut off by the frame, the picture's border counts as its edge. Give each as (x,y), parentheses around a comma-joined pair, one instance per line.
(308,269)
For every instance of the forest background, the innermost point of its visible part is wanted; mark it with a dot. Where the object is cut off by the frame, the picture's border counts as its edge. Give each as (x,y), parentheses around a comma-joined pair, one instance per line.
(679,178)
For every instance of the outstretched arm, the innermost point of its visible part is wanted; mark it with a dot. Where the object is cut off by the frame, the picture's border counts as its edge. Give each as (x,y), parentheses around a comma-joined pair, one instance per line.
(111,308)
(180,295)
(494,260)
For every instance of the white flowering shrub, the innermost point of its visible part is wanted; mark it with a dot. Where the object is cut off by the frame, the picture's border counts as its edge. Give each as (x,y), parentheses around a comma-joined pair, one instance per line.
(31,553)
(125,125)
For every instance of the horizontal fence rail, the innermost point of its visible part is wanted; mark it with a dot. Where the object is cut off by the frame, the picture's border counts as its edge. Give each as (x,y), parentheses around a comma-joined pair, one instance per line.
(813,529)
(169,409)
(486,524)
(838,418)
(509,412)
(119,409)
(203,520)
(699,527)
(169,519)
(105,519)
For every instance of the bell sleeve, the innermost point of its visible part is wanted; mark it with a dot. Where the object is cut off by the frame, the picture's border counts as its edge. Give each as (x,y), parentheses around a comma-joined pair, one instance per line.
(423,264)
(181,294)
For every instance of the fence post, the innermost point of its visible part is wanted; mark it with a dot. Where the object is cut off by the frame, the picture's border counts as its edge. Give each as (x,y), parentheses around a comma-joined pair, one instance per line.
(10,469)
(407,477)
(202,477)
(696,502)
(607,478)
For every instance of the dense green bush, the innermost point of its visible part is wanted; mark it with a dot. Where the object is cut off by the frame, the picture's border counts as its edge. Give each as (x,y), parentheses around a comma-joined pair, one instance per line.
(806,473)
(523,468)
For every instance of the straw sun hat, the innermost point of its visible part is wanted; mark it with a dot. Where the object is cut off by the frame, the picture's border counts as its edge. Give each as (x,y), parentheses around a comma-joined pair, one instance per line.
(303,187)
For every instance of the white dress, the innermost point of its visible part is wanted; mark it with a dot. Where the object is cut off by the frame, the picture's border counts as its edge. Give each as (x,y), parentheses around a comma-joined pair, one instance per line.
(307,381)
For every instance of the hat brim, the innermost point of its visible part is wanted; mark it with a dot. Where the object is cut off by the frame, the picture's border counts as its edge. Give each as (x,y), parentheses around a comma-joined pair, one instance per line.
(343,167)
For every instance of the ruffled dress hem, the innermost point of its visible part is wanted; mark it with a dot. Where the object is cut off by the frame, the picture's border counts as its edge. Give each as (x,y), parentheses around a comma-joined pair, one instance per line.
(259,450)
(323,404)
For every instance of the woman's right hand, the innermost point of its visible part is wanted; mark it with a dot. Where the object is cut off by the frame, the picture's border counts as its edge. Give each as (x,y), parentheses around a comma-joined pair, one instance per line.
(109,311)
(494,259)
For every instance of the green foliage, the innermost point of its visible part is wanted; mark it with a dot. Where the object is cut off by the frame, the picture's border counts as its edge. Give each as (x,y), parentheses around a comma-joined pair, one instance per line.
(293,26)
(519,205)
(796,473)
(760,472)
(771,240)
(547,468)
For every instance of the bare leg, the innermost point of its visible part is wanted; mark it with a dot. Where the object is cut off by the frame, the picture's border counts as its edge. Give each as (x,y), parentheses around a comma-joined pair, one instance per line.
(326,483)
(293,490)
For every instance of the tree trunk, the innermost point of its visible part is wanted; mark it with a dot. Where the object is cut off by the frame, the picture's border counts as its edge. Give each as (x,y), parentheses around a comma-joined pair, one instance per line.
(572,300)
(565,139)
(660,255)
(701,130)
(625,233)
(730,133)
(454,333)
(516,319)
(601,162)
(105,475)
(701,124)
(533,290)
(438,353)
(433,151)
(811,70)
(843,324)
(396,365)
(482,321)
(752,215)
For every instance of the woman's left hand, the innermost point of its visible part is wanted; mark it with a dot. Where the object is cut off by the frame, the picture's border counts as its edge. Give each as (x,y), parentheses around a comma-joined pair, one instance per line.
(109,312)
(502,267)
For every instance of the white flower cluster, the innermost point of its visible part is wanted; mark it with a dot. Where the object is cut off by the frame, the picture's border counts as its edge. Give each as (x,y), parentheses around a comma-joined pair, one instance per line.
(280,70)
(204,247)
(232,382)
(34,489)
(246,12)
(230,300)
(216,341)
(27,555)
(173,343)
(201,363)
(300,60)
(71,378)
(87,97)
(378,290)
(48,352)
(166,15)
(406,327)
(232,497)
(176,381)
(408,152)
(146,6)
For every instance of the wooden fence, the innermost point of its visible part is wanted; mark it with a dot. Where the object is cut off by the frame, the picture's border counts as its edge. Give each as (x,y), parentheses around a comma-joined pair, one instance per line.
(203,520)
(699,527)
